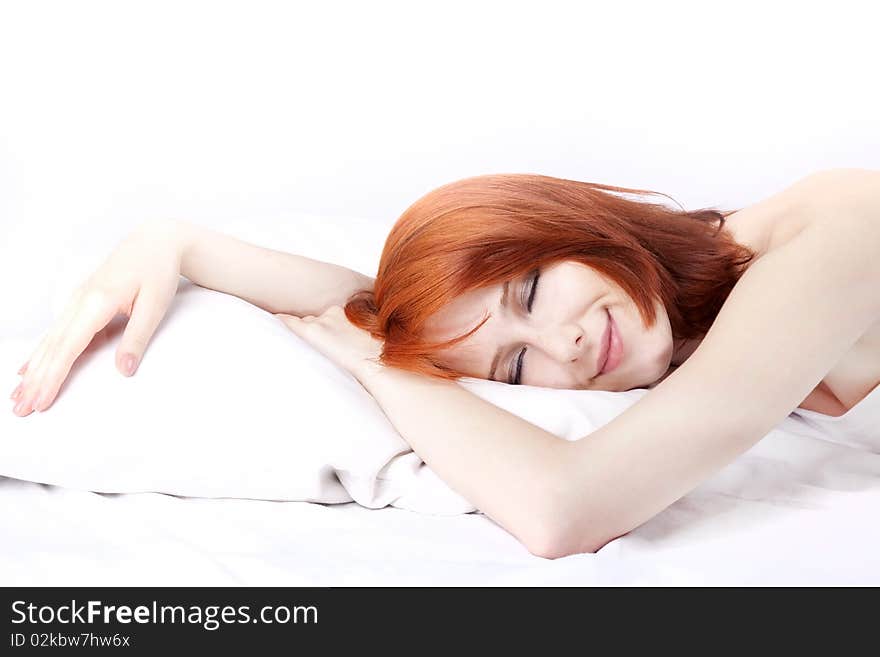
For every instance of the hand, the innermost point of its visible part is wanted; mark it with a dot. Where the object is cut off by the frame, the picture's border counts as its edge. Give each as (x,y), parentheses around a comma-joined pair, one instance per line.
(350,347)
(138,279)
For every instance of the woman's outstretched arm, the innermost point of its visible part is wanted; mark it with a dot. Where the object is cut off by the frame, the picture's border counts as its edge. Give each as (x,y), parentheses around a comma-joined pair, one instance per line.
(272,280)
(789,319)
(141,276)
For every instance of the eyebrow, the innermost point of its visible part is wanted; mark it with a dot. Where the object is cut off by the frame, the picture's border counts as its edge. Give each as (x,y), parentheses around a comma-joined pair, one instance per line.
(498,353)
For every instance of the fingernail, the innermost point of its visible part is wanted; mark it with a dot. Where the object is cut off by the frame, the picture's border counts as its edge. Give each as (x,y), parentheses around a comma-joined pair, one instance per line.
(16,392)
(19,407)
(129,362)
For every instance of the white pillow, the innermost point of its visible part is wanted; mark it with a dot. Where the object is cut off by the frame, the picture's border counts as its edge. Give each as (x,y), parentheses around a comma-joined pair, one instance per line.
(228,402)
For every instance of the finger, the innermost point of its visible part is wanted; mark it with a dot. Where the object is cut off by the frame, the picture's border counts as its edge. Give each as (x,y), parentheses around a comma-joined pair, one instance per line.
(36,364)
(22,369)
(148,310)
(37,357)
(97,313)
(30,381)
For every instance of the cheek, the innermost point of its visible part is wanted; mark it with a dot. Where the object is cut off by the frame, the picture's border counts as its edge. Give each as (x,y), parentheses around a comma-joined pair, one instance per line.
(647,347)
(547,372)
(659,345)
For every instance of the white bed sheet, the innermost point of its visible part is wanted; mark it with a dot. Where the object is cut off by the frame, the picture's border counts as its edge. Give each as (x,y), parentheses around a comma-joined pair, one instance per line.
(58,536)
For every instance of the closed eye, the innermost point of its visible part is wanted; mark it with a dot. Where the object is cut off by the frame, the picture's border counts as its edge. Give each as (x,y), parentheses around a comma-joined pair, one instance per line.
(528,303)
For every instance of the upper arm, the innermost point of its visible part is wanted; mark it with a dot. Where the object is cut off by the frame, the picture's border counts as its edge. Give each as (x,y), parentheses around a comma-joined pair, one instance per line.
(789,319)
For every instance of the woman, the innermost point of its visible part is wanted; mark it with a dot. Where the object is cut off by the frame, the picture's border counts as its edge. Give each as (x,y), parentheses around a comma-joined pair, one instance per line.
(732,319)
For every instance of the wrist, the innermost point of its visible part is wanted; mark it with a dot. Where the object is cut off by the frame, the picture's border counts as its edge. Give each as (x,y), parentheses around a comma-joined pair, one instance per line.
(370,373)
(377,378)
(172,234)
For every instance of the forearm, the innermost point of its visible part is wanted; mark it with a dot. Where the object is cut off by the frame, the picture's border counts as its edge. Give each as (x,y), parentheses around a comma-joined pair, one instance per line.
(505,466)
(276,281)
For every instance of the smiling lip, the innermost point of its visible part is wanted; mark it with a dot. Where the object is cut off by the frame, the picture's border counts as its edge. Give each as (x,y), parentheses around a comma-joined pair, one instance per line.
(606,346)
(613,346)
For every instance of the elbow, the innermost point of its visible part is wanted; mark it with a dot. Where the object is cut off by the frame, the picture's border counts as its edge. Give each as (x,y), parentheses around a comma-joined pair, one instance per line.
(550,550)
(564,537)
(550,547)
(565,525)
(543,539)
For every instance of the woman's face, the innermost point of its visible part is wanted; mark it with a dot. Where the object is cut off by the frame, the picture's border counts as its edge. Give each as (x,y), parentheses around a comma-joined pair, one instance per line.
(560,338)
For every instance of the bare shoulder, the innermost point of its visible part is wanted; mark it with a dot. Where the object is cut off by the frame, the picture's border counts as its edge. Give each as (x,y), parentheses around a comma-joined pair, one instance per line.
(819,196)
(842,178)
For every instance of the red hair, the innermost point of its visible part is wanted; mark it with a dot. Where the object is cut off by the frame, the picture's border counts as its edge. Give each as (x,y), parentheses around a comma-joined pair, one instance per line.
(484,230)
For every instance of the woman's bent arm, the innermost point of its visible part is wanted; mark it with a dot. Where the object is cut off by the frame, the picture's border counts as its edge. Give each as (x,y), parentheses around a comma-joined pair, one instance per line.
(275,281)
(789,319)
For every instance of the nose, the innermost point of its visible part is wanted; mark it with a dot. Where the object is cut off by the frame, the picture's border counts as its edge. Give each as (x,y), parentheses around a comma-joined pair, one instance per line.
(565,343)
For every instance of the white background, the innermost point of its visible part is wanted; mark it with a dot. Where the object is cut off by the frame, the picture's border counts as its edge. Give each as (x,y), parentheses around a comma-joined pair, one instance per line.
(114,112)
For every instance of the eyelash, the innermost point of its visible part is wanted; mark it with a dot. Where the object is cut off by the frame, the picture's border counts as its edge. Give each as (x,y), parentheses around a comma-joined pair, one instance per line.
(529,304)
